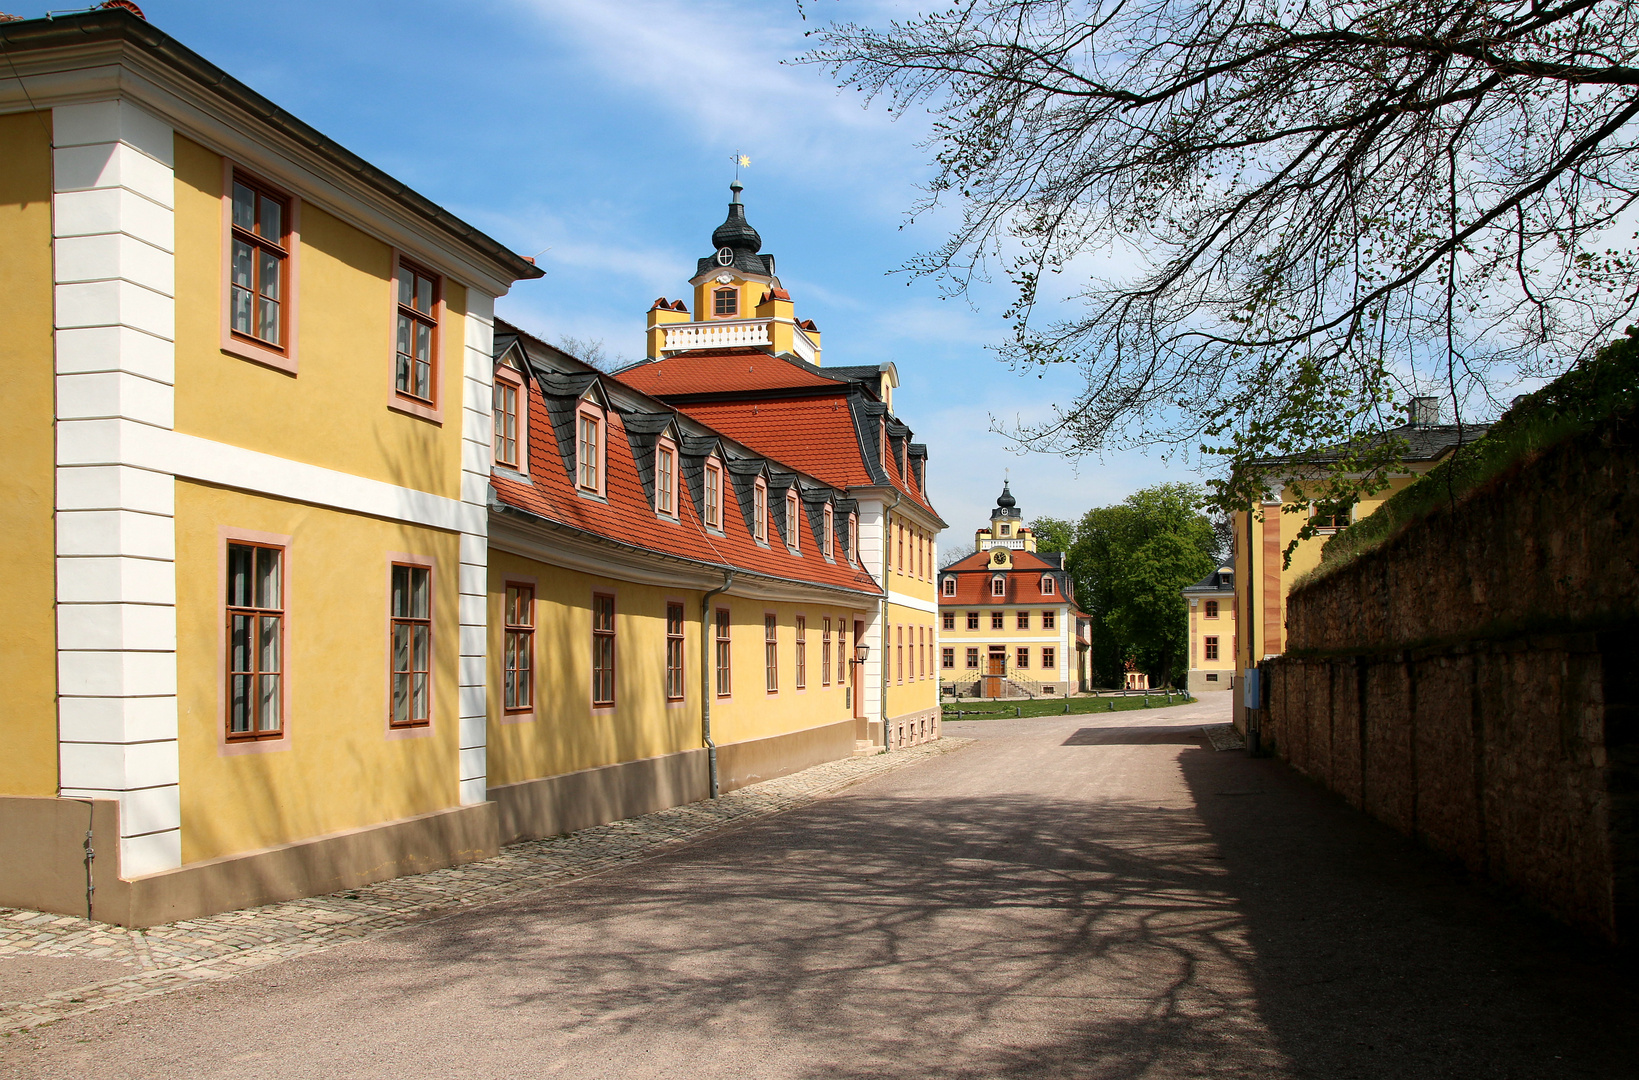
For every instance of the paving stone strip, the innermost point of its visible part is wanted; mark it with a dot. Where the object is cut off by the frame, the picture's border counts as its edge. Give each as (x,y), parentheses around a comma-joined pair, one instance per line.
(180,954)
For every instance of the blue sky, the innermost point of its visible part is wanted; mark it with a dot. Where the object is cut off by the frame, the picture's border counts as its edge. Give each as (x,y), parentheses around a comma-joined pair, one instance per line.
(599,135)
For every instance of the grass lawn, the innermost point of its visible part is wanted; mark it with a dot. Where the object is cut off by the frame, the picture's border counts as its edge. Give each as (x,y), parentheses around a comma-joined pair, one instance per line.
(983,710)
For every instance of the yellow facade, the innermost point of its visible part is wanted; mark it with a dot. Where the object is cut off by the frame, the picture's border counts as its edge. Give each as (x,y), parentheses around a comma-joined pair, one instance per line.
(27,483)
(341,766)
(334,412)
(564,733)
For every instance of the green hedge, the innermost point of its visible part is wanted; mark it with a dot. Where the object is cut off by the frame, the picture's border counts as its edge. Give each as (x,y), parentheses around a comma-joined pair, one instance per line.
(1590,394)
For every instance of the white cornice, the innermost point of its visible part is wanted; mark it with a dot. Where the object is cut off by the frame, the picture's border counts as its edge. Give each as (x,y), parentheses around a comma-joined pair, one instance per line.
(103,70)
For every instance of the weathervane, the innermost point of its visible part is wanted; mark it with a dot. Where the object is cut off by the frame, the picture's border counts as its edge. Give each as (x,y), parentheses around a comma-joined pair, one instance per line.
(740,162)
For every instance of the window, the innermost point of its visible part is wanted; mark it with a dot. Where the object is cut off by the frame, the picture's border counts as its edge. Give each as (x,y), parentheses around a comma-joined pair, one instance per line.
(589,448)
(947,620)
(665,480)
(996,620)
(1328,518)
(1022,620)
(1049,657)
(714,495)
(674,652)
(518,687)
(1212,676)
(1212,609)
(1047,585)
(921,652)
(724,686)
(1212,648)
(828,535)
(412,631)
(793,533)
(725,302)
(1005,528)
(771,654)
(853,537)
(825,652)
(998,587)
(842,651)
(950,586)
(256,622)
(973,620)
(947,658)
(1022,658)
(899,531)
(415,374)
(973,658)
(899,665)
(802,652)
(759,511)
(259,261)
(1049,620)
(921,548)
(603,650)
(506,422)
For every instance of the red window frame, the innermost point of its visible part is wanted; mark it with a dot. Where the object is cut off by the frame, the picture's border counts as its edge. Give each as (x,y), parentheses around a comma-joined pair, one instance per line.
(973,620)
(675,682)
(1212,648)
(802,653)
(948,620)
(725,302)
(603,650)
(950,586)
(1212,609)
(1049,657)
(1021,657)
(973,658)
(998,620)
(420,309)
(998,586)
(771,653)
(1047,585)
(759,511)
(828,541)
(254,609)
(899,664)
(518,656)
(792,517)
(665,479)
(1049,620)
(508,408)
(724,654)
(263,246)
(947,659)
(825,653)
(1021,620)
(589,467)
(410,645)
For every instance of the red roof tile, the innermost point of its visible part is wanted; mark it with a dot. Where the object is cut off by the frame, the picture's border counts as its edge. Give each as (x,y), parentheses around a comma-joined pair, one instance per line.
(628,518)
(712,371)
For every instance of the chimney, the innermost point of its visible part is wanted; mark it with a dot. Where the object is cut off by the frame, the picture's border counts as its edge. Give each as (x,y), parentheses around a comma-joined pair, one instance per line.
(1425,411)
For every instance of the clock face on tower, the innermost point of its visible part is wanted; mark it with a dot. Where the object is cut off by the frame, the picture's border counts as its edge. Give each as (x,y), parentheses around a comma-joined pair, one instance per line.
(725,257)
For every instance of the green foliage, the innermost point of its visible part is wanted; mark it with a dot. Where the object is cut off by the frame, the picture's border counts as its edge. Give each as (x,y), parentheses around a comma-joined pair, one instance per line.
(1589,394)
(1128,564)
(1055,706)
(1053,535)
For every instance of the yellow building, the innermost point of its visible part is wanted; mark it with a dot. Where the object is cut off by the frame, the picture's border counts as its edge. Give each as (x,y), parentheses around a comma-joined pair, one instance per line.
(1262,533)
(314,577)
(1009,624)
(748,367)
(1212,618)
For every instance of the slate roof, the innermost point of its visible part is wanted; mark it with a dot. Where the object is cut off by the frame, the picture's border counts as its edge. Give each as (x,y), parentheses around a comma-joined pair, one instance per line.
(1424,442)
(1221,580)
(626,517)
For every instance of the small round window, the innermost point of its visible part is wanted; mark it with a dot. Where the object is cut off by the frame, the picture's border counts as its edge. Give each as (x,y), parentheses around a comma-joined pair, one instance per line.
(725,257)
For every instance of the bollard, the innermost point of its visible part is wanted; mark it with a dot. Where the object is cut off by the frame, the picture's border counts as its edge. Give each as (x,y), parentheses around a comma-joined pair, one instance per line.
(1018,712)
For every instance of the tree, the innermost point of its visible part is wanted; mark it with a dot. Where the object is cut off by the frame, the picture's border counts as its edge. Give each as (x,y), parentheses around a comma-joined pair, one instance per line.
(1053,535)
(592,351)
(1330,207)
(1129,562)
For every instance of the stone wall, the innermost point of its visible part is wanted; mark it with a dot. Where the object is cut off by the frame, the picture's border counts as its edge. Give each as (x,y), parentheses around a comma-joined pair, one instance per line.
(1470,682)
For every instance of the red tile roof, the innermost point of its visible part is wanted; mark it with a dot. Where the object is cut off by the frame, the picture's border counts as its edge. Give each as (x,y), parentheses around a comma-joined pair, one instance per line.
(711,371)
(628,518)
(980,560)
(814,434)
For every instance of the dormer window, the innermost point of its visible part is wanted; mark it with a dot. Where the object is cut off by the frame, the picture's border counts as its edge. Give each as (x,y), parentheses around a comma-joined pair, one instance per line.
(759,511)
(714,494)
(1046,585)
(793,533)
(665,479)
(589,448)
(950,586)
(828,536)
(725,302)
(998,586)
(510,400)
(853,537)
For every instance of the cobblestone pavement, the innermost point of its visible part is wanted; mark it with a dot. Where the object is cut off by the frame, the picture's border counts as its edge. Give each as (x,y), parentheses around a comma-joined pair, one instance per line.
(166,958)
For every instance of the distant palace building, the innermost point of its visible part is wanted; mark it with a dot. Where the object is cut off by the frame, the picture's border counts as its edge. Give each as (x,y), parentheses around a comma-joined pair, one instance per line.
(1008,620)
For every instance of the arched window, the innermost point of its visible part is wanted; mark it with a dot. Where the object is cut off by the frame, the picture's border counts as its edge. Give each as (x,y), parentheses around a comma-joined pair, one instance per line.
(950,586)
(1047,585)
(725,302)
(998,586)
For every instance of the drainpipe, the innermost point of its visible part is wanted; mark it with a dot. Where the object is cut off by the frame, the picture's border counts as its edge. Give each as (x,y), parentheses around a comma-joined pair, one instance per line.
(707,646)
(882,621)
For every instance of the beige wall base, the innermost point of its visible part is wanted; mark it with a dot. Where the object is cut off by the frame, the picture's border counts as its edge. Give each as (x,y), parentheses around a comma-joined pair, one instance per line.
(915,727)
(554,805)
(1197,683)
(42,853)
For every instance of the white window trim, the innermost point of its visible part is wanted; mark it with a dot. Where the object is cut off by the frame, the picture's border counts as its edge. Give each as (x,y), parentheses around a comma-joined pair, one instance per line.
(600,416)
(663,447)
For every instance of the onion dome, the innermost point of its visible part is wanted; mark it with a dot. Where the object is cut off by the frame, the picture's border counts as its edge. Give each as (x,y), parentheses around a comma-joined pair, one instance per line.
(1006,501)
(736,232)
